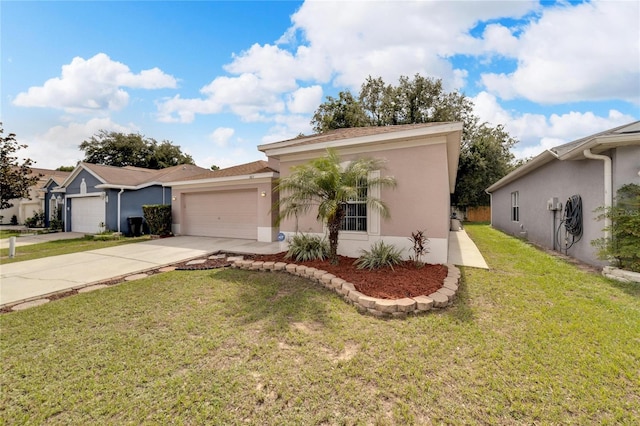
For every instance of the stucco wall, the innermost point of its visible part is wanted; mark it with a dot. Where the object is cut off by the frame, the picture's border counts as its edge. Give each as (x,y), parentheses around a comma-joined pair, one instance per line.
(560,179)
(626,166)
(421,200)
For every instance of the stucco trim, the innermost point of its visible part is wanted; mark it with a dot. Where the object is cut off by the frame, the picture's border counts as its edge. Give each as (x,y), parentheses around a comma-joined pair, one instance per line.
(223,180)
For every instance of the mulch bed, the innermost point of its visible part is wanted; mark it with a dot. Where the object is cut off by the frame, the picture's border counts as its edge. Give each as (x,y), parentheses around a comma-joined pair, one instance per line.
(405,280)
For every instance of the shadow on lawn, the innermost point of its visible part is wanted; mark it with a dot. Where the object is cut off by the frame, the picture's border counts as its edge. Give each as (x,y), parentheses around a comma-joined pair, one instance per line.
(278,297)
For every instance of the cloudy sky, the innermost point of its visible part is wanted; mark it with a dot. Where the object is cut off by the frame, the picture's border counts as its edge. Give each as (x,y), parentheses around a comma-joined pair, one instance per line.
(220,78)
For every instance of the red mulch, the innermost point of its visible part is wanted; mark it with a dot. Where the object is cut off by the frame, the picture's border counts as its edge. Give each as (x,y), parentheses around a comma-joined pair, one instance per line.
(406,280)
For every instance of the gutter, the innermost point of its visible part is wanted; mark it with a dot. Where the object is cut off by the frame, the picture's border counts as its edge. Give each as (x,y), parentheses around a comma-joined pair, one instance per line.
(119,194)
(608,184)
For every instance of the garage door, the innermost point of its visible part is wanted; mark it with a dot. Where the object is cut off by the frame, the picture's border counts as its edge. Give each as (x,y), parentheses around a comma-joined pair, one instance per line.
(227,214)
(86,214)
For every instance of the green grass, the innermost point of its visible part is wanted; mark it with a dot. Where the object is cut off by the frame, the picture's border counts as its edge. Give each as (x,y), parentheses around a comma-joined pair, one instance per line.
(532,341)
(6,233)
(58,247)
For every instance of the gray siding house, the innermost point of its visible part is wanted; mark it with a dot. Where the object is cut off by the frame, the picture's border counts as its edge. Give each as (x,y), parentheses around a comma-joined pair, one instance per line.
(98,197)
(551,200)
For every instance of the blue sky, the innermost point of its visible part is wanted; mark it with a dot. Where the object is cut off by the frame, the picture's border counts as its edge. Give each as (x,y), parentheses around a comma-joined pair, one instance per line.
(220,78)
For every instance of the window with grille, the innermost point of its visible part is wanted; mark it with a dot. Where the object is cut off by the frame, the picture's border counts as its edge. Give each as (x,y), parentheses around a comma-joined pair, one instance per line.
(515,206)
(355,218)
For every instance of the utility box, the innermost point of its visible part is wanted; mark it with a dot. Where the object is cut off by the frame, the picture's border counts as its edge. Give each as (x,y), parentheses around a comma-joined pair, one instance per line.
(553,204)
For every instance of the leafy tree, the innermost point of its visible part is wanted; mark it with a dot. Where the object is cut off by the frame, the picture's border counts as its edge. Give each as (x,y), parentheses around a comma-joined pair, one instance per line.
(15,175)
(65,168)
(133,149)
(324,183)
(623,246)
(484,158)
(214,167)
(339,113)
(485,155)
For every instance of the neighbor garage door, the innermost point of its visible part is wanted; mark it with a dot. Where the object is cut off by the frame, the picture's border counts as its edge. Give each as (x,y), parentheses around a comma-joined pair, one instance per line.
(228,214)
(87,214)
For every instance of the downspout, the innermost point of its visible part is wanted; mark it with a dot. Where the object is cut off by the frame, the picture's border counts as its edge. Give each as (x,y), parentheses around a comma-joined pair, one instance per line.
(608,185)
(119,194)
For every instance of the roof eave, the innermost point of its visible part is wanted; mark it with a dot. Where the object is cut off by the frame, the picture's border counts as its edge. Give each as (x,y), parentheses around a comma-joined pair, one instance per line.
(531,165)
(278,149)
(223,179)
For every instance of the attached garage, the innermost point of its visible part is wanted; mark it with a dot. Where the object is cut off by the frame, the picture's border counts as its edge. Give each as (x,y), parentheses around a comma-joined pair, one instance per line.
(87,213)
(226,214)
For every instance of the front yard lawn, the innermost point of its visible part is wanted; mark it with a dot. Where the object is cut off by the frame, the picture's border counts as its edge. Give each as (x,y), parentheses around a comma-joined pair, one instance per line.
(58,247)
(533,340)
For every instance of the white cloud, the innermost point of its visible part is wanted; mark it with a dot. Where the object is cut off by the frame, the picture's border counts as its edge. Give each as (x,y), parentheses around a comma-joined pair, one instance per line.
(58,146)
(305,100)
(537,132)
(91,85)
(341,43)
(576,53)
(221,136)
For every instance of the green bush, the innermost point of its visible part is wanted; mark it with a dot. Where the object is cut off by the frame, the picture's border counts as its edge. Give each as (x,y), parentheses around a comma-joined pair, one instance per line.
(307,247)
(35,221)
(158,217)
(381,255)
(624,245)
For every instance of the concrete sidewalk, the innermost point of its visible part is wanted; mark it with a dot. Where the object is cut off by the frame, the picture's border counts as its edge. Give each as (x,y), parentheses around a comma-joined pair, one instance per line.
(32,279)
(28,239)
(464,252)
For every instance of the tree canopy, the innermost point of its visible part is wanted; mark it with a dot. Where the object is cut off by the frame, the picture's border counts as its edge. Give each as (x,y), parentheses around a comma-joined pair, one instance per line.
(485,153)
(133,149)
(15,174)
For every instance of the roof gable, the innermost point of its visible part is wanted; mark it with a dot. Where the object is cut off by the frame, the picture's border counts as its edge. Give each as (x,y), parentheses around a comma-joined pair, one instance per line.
(628,134)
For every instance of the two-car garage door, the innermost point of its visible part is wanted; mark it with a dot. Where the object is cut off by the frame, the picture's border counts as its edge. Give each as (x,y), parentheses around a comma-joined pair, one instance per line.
(227,214)
(87,214)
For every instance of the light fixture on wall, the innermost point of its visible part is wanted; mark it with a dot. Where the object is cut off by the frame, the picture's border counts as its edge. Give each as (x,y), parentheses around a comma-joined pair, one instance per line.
(263,194)
(174,198)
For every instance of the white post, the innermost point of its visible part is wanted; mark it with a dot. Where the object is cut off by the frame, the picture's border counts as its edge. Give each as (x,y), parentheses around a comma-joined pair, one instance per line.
(12,247)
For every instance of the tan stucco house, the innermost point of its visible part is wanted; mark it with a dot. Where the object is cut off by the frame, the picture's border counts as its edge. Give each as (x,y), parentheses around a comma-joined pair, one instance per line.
(238,202)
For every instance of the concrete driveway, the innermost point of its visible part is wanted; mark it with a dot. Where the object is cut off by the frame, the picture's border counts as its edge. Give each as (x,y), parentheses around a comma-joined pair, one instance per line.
(32,279)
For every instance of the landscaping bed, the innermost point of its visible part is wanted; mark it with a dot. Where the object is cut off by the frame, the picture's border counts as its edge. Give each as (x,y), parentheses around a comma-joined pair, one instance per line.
(404,280)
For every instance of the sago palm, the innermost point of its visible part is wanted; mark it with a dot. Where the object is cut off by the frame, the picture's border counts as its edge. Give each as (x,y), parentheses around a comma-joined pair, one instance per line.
(324,183)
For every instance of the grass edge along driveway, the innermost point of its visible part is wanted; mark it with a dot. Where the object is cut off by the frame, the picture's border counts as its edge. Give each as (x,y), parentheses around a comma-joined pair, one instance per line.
(533,340)
(58,247)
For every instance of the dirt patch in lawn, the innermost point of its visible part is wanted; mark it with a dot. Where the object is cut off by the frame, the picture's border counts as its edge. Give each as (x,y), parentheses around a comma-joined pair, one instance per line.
(404,280)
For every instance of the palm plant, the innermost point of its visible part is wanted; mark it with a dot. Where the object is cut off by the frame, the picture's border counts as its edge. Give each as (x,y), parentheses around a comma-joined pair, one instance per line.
(325,183)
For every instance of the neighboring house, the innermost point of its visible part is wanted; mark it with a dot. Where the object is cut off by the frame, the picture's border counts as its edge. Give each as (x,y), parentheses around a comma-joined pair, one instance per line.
(25,208)
(98,197)
(238,202)
(530,202)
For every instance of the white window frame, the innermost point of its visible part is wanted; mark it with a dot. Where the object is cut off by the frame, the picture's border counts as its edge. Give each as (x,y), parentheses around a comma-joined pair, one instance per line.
(515,206)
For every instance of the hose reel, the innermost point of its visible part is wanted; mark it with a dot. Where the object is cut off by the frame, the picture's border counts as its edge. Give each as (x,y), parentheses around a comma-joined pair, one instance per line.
(572,223)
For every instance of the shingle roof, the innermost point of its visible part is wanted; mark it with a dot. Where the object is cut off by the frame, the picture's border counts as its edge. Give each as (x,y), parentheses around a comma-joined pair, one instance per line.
(349,133)
(134,176)
(254,167)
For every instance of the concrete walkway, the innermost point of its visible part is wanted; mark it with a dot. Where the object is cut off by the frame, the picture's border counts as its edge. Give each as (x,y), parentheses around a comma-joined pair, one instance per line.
(33,279)
(28,239)
(464,252)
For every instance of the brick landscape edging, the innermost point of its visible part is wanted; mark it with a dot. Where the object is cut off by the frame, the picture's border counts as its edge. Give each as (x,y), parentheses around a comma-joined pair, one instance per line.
(381,308)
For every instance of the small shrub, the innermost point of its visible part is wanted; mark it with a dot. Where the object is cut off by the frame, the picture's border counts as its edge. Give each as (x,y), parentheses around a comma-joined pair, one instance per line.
(14,220)
(419,248)
(158,218)
(381,255)
(623,246)
(307,247)
(35,221)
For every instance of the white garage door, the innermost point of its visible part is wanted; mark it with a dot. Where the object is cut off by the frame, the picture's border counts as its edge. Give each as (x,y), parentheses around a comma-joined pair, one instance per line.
(86,214)
(227,214)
